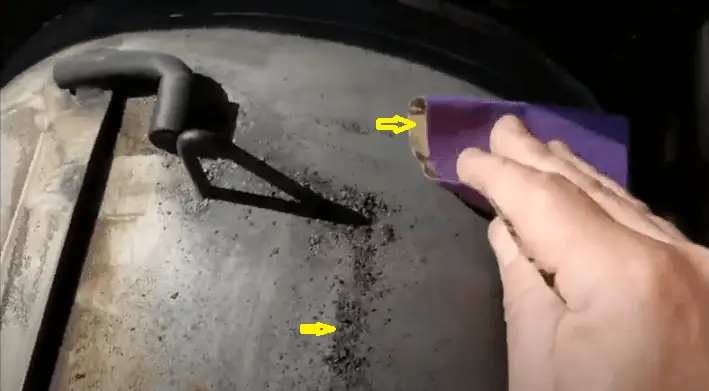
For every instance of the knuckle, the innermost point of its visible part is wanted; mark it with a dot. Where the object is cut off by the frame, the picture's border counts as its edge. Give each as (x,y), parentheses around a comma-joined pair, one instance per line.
(624,193)
(508,121)
(651,267)
(552,181)
(549,162)
(545,188)
(596,190)
(667,226)
(506,166)
(559,146)
(640,206)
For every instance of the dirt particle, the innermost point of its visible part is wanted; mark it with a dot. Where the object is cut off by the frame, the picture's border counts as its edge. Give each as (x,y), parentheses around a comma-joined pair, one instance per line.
(314,242)
(388,233)
(174,295)
(354,127)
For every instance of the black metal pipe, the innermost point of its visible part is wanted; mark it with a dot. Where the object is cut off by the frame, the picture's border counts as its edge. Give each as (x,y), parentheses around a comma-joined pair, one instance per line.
(96,67)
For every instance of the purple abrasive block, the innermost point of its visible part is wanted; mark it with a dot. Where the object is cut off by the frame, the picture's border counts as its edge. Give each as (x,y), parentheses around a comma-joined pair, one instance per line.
(455,123)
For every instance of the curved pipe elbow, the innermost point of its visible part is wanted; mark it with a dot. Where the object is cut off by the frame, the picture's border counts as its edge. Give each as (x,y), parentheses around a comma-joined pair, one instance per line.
(173,93)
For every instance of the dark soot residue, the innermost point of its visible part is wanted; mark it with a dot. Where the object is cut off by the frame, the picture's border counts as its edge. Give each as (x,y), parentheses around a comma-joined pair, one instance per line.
(347,360)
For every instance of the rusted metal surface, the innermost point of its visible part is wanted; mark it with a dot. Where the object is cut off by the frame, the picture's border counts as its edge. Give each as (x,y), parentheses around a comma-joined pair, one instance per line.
(179,293)
(46,142)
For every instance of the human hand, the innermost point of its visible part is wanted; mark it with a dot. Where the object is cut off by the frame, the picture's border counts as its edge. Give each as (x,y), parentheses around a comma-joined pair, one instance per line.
(629,305)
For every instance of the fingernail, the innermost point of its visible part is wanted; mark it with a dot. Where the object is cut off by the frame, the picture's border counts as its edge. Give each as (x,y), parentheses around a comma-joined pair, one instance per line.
(512,122)
(470,153)
(467,162)
(473,151)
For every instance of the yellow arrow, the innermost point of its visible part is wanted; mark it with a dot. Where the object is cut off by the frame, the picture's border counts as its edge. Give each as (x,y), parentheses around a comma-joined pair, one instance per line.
(318,329)
(393,124)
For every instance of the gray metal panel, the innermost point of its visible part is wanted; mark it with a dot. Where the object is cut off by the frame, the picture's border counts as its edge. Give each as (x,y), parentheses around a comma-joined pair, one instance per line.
(183,294)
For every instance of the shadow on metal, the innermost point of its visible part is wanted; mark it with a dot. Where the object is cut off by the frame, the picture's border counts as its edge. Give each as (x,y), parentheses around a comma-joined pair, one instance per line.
(186,100)
(74,251)
(195,144)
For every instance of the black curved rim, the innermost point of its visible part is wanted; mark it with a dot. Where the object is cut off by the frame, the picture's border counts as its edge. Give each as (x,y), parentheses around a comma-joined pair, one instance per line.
(496,59)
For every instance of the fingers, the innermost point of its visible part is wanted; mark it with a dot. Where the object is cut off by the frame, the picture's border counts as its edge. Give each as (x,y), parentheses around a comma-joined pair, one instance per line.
(667,227)
(563,152)
(557,221)
(532,313)
(511,139)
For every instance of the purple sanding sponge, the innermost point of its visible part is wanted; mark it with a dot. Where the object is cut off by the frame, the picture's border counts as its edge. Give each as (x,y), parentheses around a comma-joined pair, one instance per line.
(447,125)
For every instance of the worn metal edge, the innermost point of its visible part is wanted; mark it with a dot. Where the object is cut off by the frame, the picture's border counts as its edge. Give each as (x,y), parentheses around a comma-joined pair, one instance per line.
(43,210)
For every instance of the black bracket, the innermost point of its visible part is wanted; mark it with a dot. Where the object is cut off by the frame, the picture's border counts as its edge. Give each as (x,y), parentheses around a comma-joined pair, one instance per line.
(171,131)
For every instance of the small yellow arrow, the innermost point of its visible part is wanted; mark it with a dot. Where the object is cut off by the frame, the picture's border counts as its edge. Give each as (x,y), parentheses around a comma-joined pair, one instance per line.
(393,124)
(318,329)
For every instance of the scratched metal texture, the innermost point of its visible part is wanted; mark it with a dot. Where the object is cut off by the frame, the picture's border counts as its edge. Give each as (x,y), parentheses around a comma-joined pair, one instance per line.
(46,140)
(183,294)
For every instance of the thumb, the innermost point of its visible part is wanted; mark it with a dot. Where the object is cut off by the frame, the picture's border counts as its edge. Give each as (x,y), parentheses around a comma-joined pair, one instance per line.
(532,312)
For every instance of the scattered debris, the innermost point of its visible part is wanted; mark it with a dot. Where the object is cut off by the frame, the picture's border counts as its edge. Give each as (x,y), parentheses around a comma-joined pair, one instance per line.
(347,359)
(388,233)
(314,242)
